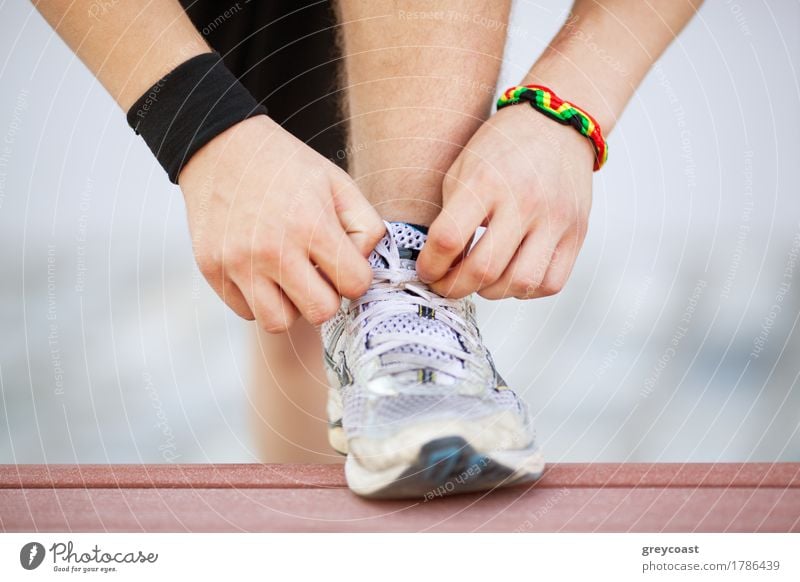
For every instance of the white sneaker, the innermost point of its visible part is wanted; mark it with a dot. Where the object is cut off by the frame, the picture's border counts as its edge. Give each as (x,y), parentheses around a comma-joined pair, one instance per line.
(415,401)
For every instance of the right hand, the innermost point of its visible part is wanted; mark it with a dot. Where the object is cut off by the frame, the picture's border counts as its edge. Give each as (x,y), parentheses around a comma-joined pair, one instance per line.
(278,231)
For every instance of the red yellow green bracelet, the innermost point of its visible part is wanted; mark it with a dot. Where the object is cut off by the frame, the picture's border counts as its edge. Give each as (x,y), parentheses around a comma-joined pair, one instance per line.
(544,100)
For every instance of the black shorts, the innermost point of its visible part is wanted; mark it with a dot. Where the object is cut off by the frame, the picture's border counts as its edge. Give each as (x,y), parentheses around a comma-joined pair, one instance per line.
(285,53)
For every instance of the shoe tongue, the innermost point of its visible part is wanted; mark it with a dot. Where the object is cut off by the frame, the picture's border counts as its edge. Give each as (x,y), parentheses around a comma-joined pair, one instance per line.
(408,241)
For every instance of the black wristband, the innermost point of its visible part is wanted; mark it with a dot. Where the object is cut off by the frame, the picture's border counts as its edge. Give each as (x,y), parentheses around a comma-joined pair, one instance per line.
(189,107)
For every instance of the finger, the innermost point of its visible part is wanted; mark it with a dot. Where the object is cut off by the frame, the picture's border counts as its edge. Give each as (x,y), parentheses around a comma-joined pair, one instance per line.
(527,270)
(451,233)
(487,261)
(358,218)
(273,310)
(235,299)
(339,258)
(224,287)
(308,291)
(561,265)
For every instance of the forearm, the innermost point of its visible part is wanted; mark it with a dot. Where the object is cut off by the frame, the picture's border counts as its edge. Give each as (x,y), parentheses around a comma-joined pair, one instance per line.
(605,49)
(127,45)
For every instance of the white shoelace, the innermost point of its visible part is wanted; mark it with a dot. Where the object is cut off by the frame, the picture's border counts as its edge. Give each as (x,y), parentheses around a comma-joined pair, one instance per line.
(396,290)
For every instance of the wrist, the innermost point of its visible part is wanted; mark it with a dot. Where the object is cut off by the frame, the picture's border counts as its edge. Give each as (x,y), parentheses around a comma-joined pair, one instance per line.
(547,103)
(588,93)
(573,149)
(234,145)
(187,108)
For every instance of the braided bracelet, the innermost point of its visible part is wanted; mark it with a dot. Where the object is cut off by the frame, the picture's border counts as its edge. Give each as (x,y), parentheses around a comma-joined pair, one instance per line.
(544,100)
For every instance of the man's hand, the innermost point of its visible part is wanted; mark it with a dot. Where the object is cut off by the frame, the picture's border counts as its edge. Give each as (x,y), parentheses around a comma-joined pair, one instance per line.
(278,231)
(529,181)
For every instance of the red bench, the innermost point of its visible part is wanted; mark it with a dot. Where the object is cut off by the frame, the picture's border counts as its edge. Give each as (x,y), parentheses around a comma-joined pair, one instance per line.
(570,497)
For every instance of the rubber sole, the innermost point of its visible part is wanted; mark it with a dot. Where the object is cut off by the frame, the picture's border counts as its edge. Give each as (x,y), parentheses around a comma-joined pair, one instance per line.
(446,466)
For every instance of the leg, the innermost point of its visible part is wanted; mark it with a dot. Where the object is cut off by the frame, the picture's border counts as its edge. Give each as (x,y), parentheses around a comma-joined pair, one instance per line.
(423,411)
(399,157)
(420,80)
(289,397)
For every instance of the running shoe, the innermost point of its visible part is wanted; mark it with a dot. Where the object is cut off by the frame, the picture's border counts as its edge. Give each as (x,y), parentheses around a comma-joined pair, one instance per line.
(415,401)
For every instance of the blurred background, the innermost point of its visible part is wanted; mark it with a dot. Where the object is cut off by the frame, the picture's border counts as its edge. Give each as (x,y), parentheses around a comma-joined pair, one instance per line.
(676,338)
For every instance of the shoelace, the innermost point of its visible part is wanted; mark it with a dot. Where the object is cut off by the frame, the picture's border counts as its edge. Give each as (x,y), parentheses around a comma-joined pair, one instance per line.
(394,291)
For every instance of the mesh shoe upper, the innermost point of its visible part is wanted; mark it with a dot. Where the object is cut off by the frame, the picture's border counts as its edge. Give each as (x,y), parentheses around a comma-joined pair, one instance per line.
(406,241)
(402,355)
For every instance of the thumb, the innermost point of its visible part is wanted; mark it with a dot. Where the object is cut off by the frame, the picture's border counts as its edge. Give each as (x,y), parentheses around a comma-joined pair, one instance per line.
(359,219)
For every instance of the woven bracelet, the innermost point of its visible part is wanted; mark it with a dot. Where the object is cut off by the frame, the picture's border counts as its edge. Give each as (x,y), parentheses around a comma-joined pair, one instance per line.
(544,100)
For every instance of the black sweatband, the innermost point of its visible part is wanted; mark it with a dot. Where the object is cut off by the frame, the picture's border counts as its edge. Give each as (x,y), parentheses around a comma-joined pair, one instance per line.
(189,107)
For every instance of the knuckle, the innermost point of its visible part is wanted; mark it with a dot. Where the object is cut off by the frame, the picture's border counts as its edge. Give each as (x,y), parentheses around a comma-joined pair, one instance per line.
(525,286)
(319,239)
(271,325)
(493,271)
(354,287)
(493,293)
(446,241)
(551,287)
(319,313)
(351,290)
(564,215)
(315,318)
(237,260)
(245,314)
(273,319)
(207,262)
(486,273)
(269,253)
(329,309)
(528,204)
(560,257)
(268,318)
(376,230)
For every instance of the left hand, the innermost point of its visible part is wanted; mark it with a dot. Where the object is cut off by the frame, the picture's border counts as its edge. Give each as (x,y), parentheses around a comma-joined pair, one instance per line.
(527,179)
